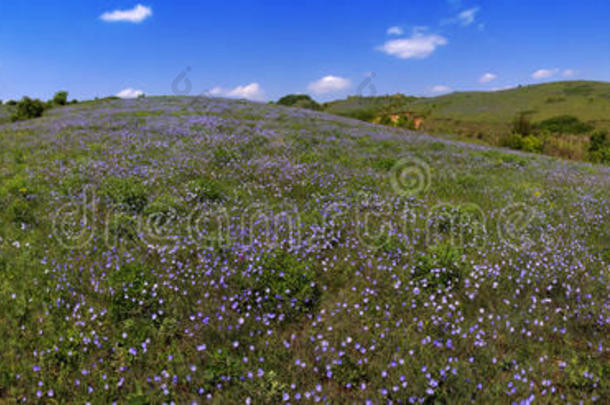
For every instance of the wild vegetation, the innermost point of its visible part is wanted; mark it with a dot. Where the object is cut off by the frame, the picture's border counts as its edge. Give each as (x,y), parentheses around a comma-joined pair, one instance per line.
(179,250)
(556,119)
(28,108)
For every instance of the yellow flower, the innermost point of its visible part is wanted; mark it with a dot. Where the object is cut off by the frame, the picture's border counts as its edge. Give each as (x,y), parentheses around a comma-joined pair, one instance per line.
(537,194)
(23,190)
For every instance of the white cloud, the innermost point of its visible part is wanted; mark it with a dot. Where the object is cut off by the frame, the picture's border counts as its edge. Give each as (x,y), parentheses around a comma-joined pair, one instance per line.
(328,84)
(544,73)
(252,91)
(395,31)
(568,73)
(135,15)
(464,18)
(440,89)
(487,77)
(418,46)
(467,17)
(129,93)
(508,87)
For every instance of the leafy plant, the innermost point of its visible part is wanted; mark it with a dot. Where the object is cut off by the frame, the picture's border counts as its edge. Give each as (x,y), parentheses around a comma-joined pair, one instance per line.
(440,267)
(134,292)
(564,124)
(60,98)
(126,192)
(28,109)
(299,100)
(284,281)
(205,189)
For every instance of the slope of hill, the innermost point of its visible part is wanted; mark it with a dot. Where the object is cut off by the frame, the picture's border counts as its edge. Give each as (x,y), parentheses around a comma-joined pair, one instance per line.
(192,249)
(489,116)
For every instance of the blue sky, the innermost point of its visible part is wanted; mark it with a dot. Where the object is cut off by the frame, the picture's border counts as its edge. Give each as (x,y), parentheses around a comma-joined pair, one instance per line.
(263,50)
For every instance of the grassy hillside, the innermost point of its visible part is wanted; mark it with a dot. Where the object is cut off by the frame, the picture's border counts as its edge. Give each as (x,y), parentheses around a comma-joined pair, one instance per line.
(488,116)
(188,250)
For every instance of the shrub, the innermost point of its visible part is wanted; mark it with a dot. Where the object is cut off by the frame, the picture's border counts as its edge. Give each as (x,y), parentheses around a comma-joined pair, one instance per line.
(129,193)
(205,189)
(299,100)
(531,143)
(522,124)
(599,147)
(440,267)
(134,292)
(513,141)
(285,282)
(60,98)
(564,124)
(349,372)
(384,163)
(222,156)
(599,139)
(28,109)
(20,211)
(121,225)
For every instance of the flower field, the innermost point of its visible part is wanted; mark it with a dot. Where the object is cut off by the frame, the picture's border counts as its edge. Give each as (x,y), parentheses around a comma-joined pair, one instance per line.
(197,250)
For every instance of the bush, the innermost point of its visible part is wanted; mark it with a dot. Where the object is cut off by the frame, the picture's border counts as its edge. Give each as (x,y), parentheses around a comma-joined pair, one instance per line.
(299,100)
(531,143)
(129,193)
(599,147)
(599,140)
(513,141)
(203,189)
(134,292)
(440,267)
(60,98)
(285,282)
(20,211)
(522,124)
(28,109)
(564,124)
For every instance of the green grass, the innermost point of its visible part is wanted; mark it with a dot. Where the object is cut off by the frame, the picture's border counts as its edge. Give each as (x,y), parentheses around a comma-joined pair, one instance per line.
(226,250)
(488,116)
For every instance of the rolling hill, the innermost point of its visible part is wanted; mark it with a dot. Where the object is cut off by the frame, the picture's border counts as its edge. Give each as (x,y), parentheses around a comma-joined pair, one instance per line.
(488,116)
(190,250)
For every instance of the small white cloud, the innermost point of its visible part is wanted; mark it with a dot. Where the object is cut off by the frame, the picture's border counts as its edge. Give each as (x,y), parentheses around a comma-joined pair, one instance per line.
(418,46)
(544,73)
(395,31)
(568,73)
(129,93)
(508,87)
(252,91)
(135,15)
(328,84)
(467,17)
(440,89)
(464,18)
(487,77)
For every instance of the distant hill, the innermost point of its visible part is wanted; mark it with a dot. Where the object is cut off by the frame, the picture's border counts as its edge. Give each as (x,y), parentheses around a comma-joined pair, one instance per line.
(489,116)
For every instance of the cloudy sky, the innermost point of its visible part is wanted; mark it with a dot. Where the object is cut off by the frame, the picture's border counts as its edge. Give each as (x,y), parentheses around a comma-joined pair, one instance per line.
(261,50)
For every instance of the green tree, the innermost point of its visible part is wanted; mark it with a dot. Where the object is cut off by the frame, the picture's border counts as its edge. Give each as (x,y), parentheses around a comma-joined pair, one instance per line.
(299,100)
(60,98)
(28,108)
